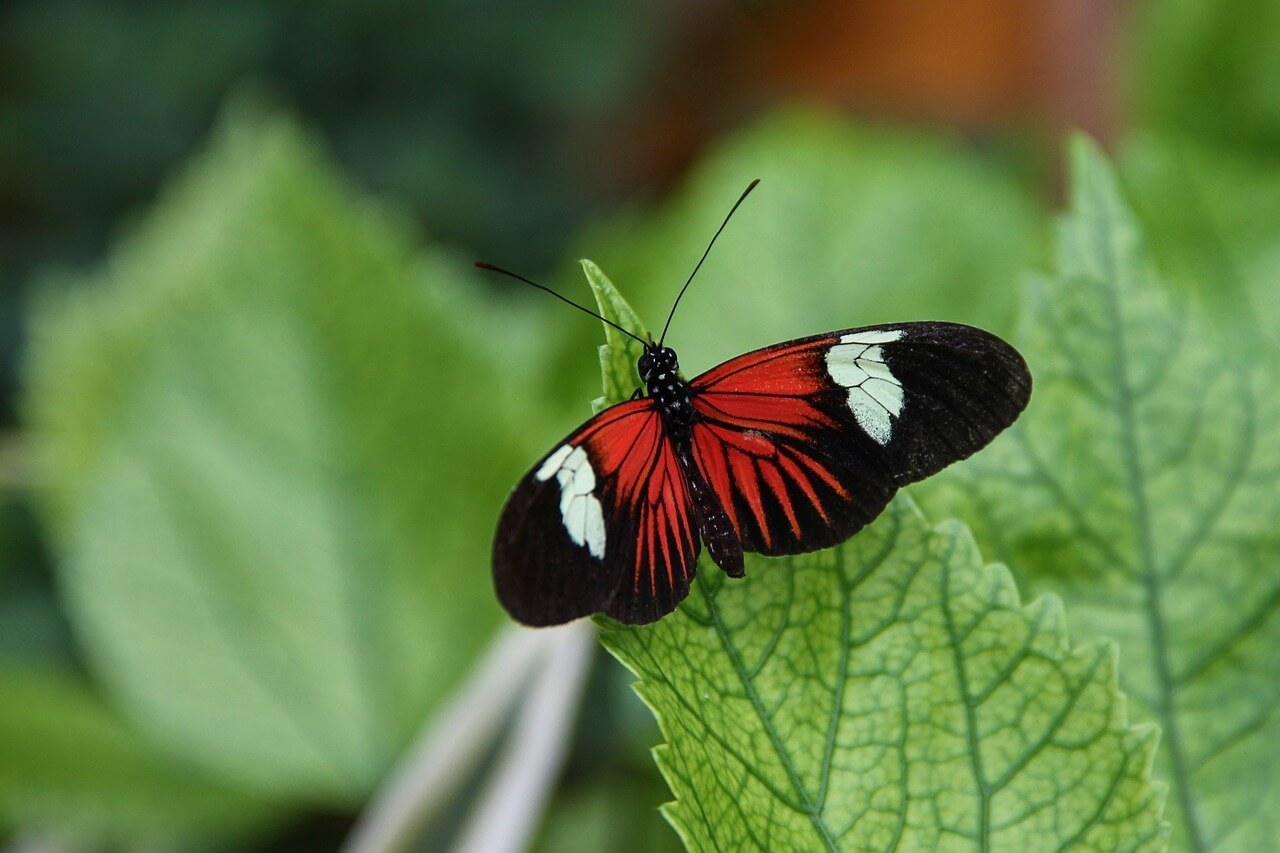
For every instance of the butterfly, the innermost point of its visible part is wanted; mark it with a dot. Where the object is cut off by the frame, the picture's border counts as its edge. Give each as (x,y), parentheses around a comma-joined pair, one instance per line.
(787,449)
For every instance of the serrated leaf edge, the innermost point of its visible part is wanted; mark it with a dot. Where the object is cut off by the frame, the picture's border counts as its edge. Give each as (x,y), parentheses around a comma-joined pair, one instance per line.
(1046,609)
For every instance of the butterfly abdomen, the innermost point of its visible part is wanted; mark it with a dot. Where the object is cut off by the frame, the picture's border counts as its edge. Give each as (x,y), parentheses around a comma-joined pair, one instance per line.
(660,370)
(717,532)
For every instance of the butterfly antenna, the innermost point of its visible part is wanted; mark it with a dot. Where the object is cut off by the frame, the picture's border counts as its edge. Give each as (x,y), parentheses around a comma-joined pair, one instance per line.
(740,200)
(482,265)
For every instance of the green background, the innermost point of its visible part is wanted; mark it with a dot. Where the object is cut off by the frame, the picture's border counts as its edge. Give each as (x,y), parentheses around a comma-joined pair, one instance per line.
(259,412)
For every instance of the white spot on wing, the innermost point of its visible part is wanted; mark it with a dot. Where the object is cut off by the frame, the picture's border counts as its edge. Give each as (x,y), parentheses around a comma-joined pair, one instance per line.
(553,463)
(878,369)
(875,394)
(584,479)
(594,529)
(871,416)
(842,365)
(882,336)
(580,509)
(886,392)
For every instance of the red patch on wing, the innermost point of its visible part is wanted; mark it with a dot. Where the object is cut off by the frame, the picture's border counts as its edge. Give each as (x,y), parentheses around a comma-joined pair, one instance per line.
(629,446)
(798,476)
(789,370)
(625,444)
(778,486)
(756,443)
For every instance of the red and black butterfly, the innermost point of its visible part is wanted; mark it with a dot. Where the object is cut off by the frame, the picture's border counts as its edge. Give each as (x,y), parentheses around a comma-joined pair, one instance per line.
(787,449)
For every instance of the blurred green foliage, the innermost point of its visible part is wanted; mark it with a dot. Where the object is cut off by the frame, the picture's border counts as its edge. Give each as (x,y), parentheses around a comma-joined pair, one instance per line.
(105,98)
(268,435)
(101,101)
(1139,486)
(73,765)
(223,419)
(1211,220)
(1209,71)
(853,225)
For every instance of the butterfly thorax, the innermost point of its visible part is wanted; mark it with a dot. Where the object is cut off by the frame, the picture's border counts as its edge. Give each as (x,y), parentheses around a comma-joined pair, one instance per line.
(660,370)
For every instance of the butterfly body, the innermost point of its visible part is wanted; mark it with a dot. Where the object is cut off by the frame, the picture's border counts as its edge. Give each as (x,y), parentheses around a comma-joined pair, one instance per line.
(659,369)
(784,450)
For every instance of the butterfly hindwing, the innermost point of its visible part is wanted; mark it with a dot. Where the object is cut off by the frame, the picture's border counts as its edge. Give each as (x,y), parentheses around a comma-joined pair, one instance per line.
(601,523)
(805,442)
(786,493)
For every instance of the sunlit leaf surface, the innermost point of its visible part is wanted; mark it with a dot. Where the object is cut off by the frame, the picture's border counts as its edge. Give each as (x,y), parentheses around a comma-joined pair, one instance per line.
(619,353)
(889,692)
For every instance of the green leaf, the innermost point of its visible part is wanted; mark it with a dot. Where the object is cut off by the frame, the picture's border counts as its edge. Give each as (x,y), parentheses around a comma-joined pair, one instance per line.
(619,353)
(1209,218)
(850,225)
(1209,70)
(888,692)
(70,767)
(608,811)
(273,468)
(1140,484)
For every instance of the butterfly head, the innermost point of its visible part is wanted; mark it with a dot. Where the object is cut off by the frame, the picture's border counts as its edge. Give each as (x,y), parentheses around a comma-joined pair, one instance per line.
(657,363)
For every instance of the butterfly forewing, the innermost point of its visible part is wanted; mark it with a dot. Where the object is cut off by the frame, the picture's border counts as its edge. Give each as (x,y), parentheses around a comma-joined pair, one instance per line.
(602,523)
(961,388)
(805,442)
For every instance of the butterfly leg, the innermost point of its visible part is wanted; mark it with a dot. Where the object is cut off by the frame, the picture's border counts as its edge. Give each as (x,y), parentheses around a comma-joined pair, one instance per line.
(637,394)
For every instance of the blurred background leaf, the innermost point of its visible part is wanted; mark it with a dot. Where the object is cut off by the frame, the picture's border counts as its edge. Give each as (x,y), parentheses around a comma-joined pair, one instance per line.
(223,419)
(852,225)
(1139,485)
(67,760)
(909,154)
(1208,71)
(1211,218)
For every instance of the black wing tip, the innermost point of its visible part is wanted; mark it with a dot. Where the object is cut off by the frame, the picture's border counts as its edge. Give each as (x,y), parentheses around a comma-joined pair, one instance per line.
(532,604)
(538,618)
(528,605)
(550,611)
(1009,357)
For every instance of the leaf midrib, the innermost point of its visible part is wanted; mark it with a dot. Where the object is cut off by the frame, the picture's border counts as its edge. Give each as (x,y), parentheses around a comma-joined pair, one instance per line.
(970,712)
(1153,585)
(842,675)
(237,625)
(807,807)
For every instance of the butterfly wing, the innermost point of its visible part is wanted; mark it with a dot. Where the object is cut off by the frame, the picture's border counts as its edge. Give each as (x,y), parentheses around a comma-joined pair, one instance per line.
(602,523)
(805,442)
